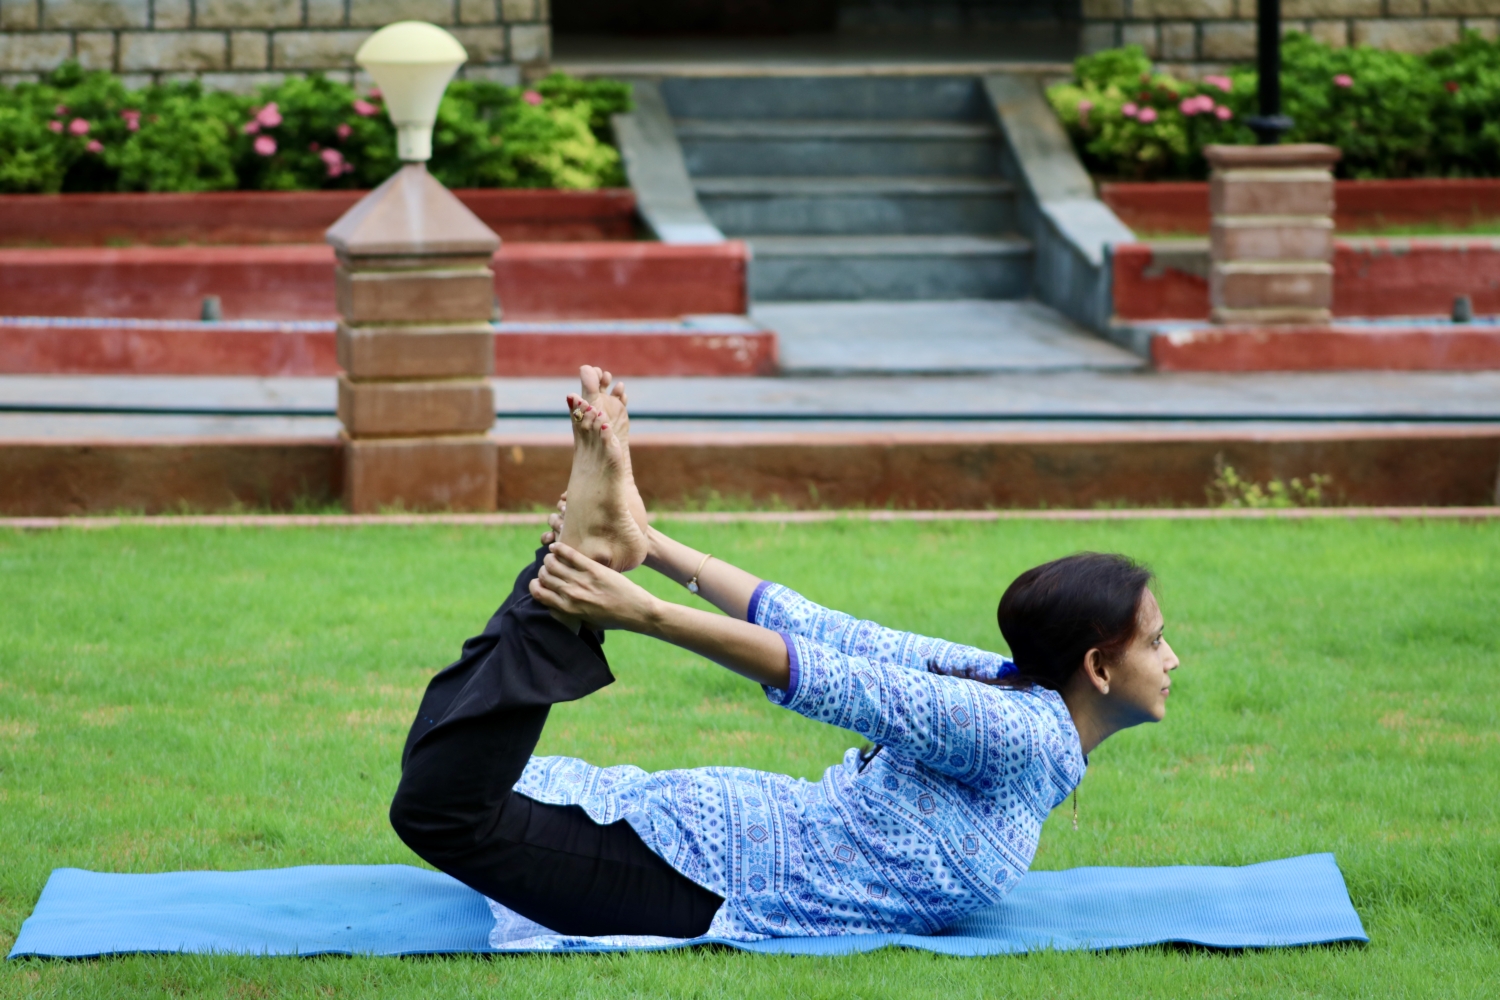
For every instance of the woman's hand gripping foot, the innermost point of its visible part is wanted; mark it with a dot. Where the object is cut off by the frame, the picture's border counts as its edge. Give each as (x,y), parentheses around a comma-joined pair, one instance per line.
(580,588)
(600,523)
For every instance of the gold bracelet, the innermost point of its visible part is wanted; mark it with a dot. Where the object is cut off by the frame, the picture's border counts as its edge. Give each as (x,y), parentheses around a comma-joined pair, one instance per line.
(692,585)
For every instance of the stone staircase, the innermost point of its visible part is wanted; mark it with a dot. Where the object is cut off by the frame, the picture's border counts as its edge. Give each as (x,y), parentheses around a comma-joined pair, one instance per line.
(860,187)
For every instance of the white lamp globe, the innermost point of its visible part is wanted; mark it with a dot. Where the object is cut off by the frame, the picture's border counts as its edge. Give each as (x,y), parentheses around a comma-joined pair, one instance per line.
(412,62)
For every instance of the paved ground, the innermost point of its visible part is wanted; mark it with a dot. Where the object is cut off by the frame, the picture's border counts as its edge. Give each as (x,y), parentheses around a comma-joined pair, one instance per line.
(1096,402)
(897,338)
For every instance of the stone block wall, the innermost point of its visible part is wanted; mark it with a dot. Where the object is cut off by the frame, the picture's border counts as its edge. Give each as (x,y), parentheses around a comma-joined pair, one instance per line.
(1194,35)
(240,44)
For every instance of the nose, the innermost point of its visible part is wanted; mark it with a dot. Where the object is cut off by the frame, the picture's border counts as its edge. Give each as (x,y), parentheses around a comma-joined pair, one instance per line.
(1171,659)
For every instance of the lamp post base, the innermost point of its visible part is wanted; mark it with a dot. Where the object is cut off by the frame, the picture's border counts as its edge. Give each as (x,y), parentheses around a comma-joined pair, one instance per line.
(1269,129)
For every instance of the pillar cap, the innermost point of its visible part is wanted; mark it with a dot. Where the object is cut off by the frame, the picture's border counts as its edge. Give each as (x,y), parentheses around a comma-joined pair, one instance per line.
(1303,154)
(411,214)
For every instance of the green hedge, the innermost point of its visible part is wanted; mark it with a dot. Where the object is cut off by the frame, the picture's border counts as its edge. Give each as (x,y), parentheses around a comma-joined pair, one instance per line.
(1393,114)
(77,131)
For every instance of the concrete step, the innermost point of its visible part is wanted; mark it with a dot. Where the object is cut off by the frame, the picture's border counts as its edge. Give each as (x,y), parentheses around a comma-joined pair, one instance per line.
(831,148)
(810,268)
(934,338)
(955,98)
(1317,399)
(852,205)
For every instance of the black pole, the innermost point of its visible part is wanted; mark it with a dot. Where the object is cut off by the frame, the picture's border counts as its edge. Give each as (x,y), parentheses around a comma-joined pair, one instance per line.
(1270,124)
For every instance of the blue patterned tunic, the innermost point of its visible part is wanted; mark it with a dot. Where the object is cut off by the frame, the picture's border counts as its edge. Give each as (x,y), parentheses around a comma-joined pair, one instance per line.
(941,821)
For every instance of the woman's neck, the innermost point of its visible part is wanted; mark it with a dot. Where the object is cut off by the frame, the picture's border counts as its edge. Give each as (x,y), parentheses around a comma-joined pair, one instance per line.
(1086,707)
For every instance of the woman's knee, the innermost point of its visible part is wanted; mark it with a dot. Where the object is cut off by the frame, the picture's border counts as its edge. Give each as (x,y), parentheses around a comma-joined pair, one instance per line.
(427,824)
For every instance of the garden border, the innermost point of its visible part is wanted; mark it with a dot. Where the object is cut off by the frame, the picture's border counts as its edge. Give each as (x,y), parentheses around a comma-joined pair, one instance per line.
(763,517)
(256,218)
(1437,466)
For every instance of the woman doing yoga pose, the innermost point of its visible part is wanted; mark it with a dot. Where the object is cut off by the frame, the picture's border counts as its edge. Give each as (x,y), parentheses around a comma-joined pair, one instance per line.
(941,817)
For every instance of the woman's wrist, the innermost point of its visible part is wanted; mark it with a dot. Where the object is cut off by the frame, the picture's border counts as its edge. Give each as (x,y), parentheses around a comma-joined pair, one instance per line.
(652,620)
(659,552)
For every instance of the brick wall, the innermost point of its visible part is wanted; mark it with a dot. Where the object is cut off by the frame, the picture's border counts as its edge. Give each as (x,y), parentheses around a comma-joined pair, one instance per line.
(1190,35)
(240,44)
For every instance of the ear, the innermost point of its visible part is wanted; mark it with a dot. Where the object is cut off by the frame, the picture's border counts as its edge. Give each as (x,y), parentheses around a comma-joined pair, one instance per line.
(1096,670)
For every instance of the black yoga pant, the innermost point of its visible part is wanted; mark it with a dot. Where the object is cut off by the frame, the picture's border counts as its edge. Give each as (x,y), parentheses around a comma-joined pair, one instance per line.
(477,727)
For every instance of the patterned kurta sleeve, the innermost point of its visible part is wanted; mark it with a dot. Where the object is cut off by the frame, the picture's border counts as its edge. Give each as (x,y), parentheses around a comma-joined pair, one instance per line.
(971,732)
(782,609)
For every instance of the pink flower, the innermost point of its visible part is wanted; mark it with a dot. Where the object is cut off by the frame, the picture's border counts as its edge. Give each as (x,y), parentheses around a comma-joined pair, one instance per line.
(1129,110)
(55,126)
(1343,80)
(364,108)
(1147,116)
(251,127)
(60,110)
(313,147)
(375,94)
(532,97)
(344,131)
(333,160)
(269,116)
(1223,113)
(1222,82)
(265,145)
(95,146)
(78,126)
(1193,105)
(132,119)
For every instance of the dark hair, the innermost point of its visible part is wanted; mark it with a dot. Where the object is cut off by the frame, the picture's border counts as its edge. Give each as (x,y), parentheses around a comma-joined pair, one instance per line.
(1053,614)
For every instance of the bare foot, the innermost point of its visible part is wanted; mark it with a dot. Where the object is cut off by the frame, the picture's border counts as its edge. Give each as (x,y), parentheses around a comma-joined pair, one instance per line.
(602,391)
(599,522)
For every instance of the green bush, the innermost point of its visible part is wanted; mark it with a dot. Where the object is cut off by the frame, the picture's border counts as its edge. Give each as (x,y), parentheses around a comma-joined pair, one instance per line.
(1393,114)
(77,131)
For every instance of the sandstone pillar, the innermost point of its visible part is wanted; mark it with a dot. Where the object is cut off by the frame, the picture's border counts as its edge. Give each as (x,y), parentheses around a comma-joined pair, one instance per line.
(416,296)
(1272,239)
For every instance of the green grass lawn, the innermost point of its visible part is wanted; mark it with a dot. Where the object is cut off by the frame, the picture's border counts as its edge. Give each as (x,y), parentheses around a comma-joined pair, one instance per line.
(183,698)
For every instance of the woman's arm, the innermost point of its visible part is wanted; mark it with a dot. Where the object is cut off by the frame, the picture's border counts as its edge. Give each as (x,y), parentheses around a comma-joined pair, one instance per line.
(782,609)
(971,732)
(573,584)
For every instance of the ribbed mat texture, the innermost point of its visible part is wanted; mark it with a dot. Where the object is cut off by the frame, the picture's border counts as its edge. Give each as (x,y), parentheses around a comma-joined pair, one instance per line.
(398,910)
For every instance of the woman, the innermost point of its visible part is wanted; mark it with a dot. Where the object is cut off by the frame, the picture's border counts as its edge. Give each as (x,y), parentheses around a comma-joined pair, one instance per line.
(971,749)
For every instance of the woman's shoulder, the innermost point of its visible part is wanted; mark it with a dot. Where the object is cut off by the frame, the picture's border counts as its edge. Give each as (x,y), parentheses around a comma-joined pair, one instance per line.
(1054,736)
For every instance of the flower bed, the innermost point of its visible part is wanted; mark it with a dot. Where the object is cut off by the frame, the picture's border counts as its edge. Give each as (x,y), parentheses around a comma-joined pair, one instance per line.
(78,131)
(1393,114)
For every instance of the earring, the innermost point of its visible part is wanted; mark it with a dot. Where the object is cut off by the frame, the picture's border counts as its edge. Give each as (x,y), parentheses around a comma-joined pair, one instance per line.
(1105,689)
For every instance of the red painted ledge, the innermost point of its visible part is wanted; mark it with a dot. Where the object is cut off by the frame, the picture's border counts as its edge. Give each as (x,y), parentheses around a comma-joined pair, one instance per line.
(1432,466)
(1360,206)
(534,281)
(1397,276)
(234,217)
(135,347)
(1327,348)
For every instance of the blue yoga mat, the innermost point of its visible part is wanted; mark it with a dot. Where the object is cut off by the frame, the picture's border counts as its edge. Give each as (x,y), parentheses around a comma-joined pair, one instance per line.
(398,910)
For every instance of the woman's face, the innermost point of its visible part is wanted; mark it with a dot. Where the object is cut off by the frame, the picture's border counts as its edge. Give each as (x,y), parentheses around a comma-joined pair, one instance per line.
(1140,679)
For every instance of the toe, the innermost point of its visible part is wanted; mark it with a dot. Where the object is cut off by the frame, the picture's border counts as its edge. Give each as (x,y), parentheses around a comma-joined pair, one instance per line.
(588,377)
